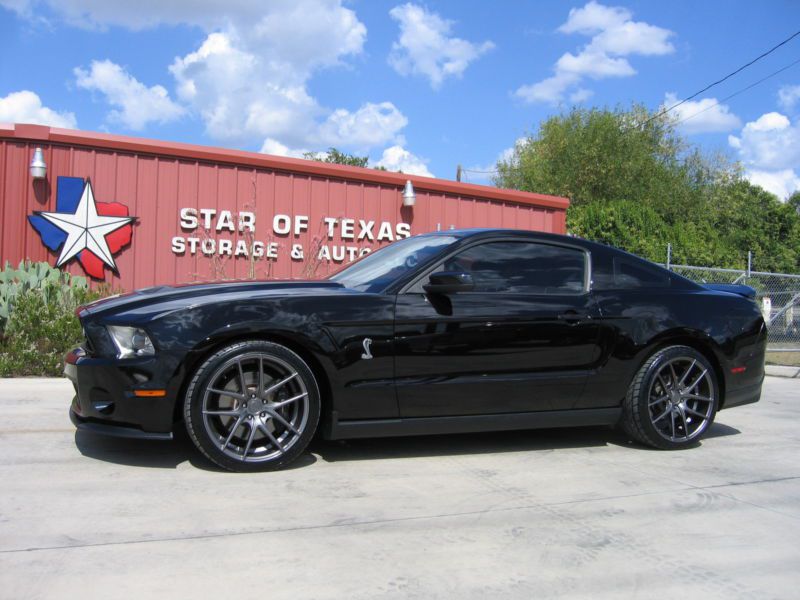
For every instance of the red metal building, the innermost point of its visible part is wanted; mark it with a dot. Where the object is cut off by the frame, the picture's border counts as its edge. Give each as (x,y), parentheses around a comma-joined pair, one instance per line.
(204,213)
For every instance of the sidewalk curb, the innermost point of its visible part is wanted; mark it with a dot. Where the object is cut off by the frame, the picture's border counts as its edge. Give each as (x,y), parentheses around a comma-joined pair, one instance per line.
(781,371)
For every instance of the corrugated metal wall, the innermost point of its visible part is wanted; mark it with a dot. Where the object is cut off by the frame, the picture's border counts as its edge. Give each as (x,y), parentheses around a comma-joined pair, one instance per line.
(156,187)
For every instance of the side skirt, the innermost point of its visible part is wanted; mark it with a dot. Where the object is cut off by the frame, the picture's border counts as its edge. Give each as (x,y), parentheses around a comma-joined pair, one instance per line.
(337,429)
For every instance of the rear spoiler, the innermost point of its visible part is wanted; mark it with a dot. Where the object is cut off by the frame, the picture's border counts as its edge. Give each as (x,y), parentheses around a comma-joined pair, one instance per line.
(732,288)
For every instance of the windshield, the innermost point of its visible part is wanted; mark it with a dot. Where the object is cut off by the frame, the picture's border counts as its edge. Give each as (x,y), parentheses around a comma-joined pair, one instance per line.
(376,271)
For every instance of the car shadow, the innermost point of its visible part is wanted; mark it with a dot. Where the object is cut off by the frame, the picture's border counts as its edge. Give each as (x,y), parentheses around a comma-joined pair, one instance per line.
(490,442)
(154,454)
(716,430)
(170,454)
(720,430)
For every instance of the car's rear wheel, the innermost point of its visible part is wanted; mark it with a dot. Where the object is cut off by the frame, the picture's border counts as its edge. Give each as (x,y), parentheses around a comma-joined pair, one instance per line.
(672,400)
(252,406)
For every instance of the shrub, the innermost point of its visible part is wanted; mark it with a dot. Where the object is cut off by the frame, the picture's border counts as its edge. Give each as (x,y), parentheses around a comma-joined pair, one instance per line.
(38,325)
(35,276)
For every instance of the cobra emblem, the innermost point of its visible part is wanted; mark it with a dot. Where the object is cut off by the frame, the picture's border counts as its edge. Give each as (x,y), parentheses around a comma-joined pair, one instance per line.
(367,355)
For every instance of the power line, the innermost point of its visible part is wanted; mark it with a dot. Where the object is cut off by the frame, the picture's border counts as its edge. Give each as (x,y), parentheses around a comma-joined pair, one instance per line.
(728,76)
(736,93)
(478,171)
(699,112)
(708,87)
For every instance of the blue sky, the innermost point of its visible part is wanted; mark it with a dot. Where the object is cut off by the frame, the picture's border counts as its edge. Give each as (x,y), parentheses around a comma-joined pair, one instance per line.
(417,86)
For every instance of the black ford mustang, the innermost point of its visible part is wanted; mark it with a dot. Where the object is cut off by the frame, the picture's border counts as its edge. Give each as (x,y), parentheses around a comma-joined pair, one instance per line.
(454,331)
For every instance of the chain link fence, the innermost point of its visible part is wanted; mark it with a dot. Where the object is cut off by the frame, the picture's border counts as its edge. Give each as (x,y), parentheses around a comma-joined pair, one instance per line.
(778,295)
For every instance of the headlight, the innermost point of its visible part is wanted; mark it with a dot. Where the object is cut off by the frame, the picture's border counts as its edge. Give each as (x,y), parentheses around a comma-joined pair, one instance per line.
(131,341)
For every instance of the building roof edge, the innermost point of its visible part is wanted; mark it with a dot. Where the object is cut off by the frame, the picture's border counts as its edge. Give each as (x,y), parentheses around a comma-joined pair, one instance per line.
(43,133)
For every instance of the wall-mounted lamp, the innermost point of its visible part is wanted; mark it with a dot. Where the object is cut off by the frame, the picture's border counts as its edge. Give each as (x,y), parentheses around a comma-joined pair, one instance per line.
(38,166)
(409,195)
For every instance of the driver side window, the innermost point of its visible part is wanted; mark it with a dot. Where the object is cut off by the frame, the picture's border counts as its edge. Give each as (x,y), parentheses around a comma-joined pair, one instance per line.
(522,267)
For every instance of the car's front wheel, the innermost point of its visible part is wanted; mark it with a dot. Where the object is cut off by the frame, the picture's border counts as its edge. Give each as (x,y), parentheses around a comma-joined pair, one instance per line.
(672,400)
(252,406)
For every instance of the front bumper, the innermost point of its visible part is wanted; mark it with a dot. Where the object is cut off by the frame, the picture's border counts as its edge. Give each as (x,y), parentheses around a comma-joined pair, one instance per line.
(112,430)
(105,401)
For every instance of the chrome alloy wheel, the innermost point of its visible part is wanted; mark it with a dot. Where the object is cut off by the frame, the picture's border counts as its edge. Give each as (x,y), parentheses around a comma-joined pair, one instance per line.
(255,407)
(682,399)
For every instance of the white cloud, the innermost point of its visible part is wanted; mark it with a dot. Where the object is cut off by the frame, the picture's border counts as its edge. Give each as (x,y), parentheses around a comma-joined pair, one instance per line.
(365,127)
(580,95)
(772,121)
(26,107)
(702,116)
(397,158)
(594,18)
(305,34)
(425,46)
(144,14)
(550,90)
(275,148)
(249,78)
(788,96)
(371,125)
(240,95)
(633,37)
(781,183)
(250,81)
(135,104)
(19,6)
(614,37)
(769,148)
(597,65)
(770,143)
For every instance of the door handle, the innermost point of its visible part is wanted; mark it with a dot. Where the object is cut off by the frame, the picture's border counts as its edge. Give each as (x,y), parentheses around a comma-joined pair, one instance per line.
(572,317)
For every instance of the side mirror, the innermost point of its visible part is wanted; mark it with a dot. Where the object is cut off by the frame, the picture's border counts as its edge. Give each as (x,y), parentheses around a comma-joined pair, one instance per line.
(449,282)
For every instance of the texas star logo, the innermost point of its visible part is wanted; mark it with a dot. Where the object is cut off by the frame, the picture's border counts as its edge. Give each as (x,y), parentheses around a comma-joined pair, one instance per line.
(93,232)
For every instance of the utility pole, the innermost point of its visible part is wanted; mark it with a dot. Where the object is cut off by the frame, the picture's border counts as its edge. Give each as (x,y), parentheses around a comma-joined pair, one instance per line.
(458,173)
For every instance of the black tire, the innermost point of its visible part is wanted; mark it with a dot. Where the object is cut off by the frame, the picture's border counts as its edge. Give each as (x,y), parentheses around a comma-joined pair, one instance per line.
(656,409)
(282,421)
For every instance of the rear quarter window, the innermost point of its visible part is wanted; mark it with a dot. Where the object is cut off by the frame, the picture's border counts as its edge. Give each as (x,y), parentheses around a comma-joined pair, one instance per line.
(622,273)
(630,274)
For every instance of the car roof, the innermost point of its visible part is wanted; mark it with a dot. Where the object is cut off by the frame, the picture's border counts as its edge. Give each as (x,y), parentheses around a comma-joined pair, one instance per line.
(480,232)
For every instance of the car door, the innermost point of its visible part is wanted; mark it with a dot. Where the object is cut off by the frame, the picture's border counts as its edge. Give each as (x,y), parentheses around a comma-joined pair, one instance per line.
(522,340)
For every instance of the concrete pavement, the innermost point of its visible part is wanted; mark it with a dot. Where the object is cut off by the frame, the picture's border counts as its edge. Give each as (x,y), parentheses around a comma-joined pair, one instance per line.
(577,513)
(783,371)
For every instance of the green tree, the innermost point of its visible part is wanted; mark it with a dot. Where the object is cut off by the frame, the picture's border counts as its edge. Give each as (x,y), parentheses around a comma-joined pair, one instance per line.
(620,223)
(747,217)
(592,155)
(794,200)
(338,157)
(341,158)
(634,182)
(639,228)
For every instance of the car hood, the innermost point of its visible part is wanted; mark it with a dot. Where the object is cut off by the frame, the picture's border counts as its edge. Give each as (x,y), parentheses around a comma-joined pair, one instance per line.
(198,292)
